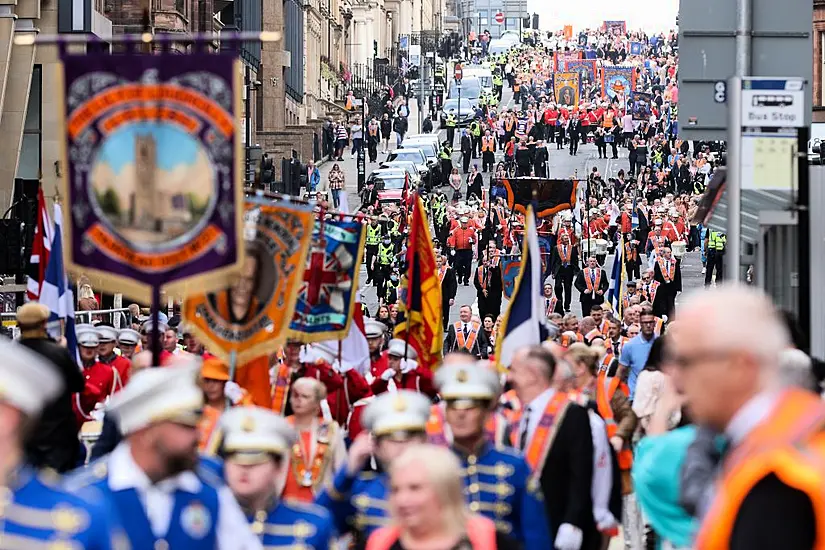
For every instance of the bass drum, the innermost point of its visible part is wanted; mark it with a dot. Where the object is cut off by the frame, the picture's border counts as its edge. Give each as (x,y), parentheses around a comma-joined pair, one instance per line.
(679,249)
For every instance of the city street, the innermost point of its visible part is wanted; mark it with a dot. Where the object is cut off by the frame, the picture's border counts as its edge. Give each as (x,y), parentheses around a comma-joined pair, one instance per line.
(562,165)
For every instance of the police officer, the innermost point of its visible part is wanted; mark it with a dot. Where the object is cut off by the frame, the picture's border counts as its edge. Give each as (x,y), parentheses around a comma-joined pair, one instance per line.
(498,85)
(451,121)
(488,151)
(715,249)
(475,136)
(498,480)
(371,248)
(390,295)
(386,255)
(358,499)
(256,443)
(446,158)
(157,465)
(36,512)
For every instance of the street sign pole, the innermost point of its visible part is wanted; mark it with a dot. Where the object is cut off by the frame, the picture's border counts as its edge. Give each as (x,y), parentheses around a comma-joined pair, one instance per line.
(733,185)
(362,156)
(803,238)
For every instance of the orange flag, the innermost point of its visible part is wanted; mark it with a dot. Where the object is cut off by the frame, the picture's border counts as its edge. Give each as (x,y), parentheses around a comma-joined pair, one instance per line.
(421,301)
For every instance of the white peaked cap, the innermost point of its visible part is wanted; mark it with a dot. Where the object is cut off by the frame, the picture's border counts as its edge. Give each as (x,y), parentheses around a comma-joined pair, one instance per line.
(255,429)
(29,381)
(401,411)
(159,394)
(397,347)
(128,336)
(468,381)
(106,334)
(373,328)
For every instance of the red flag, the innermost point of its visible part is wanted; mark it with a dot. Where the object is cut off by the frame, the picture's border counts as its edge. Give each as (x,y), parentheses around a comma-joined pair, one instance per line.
(41,248)
(422,327)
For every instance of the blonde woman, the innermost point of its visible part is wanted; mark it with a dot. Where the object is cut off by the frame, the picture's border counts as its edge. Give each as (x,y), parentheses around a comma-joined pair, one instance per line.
(428,508)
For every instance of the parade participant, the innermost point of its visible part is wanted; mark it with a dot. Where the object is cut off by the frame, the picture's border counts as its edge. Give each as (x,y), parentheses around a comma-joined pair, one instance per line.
(551,303)
(648,287)
(655,242)
(633,261)
(371,243)
(726,351)
(152,480)
(403,372)
(636,351)
(560,455)
(219,393)
(319,449)
(597,314)
(375,332)
(107,336)
(667,271)
(488,151)
(350,386)
(146,331)
(358,499)
(470,392)
(631,291)
(36,513)
(461,241)
(255,448)
(52,443)
(466,334)
(428,508)
(449,287)
(127,343)
(564,264)
(613,347)
(674,229)
(488,285)
(592,283)
(101,380)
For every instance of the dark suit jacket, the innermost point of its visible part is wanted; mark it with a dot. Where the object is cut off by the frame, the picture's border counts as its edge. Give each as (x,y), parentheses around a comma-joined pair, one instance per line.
(479,347)
(449,286)
(581,284)
(567,476)
(556,263)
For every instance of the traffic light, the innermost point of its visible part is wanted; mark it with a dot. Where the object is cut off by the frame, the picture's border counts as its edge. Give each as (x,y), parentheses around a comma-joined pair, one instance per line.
(375,48)
(536,21)
(525,22)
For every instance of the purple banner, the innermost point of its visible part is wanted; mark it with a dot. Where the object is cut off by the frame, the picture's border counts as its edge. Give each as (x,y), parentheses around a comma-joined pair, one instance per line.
(154,171)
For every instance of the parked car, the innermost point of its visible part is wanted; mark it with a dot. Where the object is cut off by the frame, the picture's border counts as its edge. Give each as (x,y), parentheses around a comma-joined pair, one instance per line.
(389,184)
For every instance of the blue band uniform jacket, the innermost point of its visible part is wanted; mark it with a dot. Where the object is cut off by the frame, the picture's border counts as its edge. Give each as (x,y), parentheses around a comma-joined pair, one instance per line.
(35,514)
(292,525)
(497,485)
(358,503)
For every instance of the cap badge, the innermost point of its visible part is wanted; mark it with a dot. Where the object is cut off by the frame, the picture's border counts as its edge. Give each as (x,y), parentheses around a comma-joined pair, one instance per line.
(400,405)
(461,376)
(248,424)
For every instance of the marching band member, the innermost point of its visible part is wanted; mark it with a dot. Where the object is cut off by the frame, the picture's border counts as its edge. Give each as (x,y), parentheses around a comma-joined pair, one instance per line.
(404,372)
(496,479)
(127,343)
(592,283)
(655,242)
(152,479)
(146,331)
(101,380)
(219,392)
(319,448)
(375,332)
(255,448)
(36,513)
(358,499)
(108,335)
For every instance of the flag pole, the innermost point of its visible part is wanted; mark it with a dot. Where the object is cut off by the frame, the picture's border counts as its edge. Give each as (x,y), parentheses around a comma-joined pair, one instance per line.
(155,325)
(410,258)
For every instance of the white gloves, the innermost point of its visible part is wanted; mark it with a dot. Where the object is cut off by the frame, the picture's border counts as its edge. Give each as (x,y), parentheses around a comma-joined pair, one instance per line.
(99,410)
(273,375)
(604,520)
(233,392)
(569,537)
(387,374)
(341,367)
(408,365)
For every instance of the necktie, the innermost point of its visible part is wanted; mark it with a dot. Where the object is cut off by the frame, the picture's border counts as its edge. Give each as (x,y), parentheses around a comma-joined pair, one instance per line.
(525,423)
(466,330)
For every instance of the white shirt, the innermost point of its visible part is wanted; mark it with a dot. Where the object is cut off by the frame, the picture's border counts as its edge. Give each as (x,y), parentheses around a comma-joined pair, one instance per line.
(750,416)
(536,410)
(602,482)
(233,532)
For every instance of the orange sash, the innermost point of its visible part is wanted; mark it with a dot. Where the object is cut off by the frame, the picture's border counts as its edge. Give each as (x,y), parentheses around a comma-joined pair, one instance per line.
(603,397)
(565,258)
(550,305)
(545,433)
(591,282)
(651,290)
(482,279)
(309,475)
(667,272)
(280,389)
(441,273)
(487,144)
(208,436)
(468,342)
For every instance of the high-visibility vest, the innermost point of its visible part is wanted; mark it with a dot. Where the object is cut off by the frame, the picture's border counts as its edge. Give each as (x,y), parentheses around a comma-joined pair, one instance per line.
(603,397)
(475,129)
(789,444)
(717,241)
(488,144)
(386,252)
(451,121)
(373,235)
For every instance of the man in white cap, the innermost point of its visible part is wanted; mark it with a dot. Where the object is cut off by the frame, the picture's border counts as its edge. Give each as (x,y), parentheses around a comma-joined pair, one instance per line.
(358,499)
(127,342)
(152,479)
(461,242)
(674,229)
(255,449)
(37,514)
(107,335)
(403,371)
(655,242)
(101,380)
(147,330)
(53,442)
(346,386)
(375,332)
(470,391)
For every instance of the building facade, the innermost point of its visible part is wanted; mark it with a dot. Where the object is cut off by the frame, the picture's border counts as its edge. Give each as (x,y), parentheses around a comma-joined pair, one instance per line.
(819,58)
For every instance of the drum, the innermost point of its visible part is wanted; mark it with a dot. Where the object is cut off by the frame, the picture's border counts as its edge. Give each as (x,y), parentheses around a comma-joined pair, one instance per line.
(89,434)
(679,248)
(601,247)
(589,247)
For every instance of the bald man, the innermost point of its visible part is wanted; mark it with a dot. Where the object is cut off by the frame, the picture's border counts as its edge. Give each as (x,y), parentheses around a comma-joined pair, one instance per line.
(725,355)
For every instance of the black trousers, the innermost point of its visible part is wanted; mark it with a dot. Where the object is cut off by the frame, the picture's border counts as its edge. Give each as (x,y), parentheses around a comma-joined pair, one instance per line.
(564,286)
(488,158)
(371,251)
(633,270)
(574,144)
(715,261)
(463,259)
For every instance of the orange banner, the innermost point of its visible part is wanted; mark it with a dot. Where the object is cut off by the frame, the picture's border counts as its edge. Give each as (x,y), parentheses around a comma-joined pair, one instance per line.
(140,113)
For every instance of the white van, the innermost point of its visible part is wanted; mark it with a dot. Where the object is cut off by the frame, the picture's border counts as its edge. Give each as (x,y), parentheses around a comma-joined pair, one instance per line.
(484,75)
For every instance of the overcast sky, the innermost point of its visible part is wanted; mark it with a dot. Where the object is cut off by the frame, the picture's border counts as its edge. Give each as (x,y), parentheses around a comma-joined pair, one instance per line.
(650,15)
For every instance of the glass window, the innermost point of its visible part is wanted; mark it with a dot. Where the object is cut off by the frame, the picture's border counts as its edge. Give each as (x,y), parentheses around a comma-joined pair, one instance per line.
(28,166)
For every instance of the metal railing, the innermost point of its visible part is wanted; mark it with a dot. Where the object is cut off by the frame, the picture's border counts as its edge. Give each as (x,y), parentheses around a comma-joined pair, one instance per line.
(112,316)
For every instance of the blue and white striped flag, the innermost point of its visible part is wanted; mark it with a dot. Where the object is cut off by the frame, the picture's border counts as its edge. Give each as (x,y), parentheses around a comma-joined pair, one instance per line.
(614,295)
(525,323)
(56,293)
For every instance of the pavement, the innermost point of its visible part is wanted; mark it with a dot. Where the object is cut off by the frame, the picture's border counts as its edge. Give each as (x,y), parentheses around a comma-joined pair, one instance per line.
(561,165)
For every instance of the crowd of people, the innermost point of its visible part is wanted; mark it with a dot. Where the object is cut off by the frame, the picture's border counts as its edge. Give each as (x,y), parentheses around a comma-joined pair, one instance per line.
(692,427)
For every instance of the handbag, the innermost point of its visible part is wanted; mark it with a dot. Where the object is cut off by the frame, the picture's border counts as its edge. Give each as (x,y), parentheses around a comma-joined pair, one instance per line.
(608,138)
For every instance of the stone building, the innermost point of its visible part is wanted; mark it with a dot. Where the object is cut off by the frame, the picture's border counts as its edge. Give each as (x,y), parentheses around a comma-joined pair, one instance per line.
(819,59)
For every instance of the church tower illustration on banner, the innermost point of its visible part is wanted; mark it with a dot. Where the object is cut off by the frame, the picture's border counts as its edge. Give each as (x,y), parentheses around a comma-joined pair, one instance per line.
(144,212)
